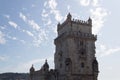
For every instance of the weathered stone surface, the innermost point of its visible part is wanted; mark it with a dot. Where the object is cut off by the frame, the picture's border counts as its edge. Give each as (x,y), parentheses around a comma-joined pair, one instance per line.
(75,53)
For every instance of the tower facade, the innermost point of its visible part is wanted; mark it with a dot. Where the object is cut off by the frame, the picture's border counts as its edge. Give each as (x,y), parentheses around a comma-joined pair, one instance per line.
(75,50)
(75,53)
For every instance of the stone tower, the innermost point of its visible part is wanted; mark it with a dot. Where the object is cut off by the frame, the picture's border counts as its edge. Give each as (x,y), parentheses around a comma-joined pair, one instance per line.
(75,50)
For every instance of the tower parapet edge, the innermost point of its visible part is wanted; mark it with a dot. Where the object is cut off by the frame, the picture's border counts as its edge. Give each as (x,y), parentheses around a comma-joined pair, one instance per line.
(76,21)
(76,34)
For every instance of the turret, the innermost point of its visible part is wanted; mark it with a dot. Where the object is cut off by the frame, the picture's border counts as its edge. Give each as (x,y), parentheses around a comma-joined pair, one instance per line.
(69,17)
(90,21)
(32,69)
(95,65)
(46,66)
(58,26)
(95,69)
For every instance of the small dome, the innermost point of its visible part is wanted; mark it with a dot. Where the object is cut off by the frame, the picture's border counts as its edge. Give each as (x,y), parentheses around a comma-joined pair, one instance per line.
(46,64)
(32,69)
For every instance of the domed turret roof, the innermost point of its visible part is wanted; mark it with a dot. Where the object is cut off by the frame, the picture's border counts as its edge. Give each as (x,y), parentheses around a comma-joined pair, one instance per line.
(46,64)
(69,17)
(32,69)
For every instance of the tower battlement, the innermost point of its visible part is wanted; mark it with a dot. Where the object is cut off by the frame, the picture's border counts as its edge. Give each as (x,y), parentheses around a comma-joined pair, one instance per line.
(71,21)
(81,22)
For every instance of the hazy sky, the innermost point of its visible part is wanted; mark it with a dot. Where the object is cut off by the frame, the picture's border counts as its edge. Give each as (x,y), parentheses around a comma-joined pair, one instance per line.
(28,30)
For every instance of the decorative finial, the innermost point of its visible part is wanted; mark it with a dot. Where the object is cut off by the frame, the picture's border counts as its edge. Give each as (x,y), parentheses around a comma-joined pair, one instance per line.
(46,60)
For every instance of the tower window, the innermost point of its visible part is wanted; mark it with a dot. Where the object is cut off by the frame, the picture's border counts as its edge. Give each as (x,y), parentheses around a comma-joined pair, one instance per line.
(82,53)
(60,56)
(81,43)
(60,53)
(60,65)
(82,65)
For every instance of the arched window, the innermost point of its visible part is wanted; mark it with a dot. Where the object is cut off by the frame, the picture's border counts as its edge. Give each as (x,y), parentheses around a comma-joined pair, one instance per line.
(68,64)
(60,65)
(60,55)
(82,65)
(82,53)
(81,43)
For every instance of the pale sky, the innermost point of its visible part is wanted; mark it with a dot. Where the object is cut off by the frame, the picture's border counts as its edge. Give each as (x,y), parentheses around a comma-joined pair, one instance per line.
(28,30)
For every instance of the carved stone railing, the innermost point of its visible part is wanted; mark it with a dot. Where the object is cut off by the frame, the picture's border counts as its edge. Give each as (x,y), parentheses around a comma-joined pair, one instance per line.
(78,35)
(82,35)
(81,22)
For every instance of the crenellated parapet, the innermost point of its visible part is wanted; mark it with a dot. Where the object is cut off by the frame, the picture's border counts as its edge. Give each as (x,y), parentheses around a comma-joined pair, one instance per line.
(71,21)
(81,22)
